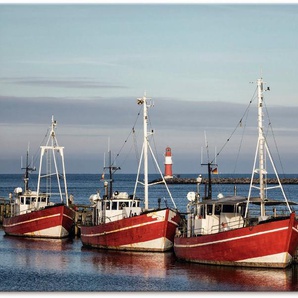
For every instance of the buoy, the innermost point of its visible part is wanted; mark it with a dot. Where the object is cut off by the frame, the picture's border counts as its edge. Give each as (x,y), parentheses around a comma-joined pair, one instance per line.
(168,164)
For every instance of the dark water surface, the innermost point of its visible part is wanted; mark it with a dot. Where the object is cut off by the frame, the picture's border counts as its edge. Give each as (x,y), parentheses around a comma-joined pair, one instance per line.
(64,265)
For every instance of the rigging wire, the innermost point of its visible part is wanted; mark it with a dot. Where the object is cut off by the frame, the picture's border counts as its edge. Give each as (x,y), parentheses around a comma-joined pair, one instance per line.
(132,131)
(242,136)
(36,154)
(274,139)
(238,124)
(154,145)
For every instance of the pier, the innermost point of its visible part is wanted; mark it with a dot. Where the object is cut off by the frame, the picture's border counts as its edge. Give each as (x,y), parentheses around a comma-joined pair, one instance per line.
(83,216)
(4,209)
(242,180)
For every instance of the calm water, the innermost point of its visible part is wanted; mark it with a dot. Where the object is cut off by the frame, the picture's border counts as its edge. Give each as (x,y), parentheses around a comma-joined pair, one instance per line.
(64,265)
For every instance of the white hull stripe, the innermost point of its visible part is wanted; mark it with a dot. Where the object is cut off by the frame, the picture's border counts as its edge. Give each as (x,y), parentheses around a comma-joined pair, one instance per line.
(57,232)
(126,228)
(283,257)
(34,219)
(159,242)
(230,239)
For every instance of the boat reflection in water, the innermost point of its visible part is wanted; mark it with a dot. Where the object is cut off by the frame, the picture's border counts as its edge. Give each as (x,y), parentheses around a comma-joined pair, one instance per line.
(29,264)
(45,254)
(242,278)
(190,276)
(145,264)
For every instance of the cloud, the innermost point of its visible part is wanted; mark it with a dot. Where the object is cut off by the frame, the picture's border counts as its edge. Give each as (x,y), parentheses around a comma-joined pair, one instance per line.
(78,83)
(84,125)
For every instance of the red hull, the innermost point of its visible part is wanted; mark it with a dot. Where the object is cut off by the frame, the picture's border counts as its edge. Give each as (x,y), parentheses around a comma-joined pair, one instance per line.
(152,231)
(52,222)
(271,244)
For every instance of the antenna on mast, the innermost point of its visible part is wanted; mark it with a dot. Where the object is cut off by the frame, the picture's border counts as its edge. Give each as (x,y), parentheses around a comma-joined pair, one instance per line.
(209,164)
(27,169)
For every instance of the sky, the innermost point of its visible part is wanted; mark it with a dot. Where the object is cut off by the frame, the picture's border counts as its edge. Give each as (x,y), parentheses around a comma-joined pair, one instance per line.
(86,64)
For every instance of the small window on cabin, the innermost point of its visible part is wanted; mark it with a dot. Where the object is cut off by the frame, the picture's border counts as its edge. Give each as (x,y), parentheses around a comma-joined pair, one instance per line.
(114,205)
(22,200)
(43,199)
(27,201)
(209,209)
(228,208)
(202,211)
(108,205)
(217,209)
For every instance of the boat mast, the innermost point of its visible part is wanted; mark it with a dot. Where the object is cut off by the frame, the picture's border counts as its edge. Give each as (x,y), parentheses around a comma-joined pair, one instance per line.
(262,147)
(144,155)
(112,169)
(143,101)
(27,169)
(52,147)
(261,142)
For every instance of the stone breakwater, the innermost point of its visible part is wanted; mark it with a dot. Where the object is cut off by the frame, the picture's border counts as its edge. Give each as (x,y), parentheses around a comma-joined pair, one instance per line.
(243,180)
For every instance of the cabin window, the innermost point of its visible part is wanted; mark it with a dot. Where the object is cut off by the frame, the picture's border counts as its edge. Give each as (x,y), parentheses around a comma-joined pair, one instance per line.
(228,209)
(217,209)
(114,205)
(134,204)
(209,209)
(201,211)
(123,204)
(22,200)
(108,205)
(27,201)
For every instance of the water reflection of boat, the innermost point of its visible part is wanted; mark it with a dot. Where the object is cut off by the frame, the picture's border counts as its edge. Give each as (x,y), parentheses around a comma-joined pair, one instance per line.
(40,244)
(132,263)
(32,212)
(119,221)
(225,231)
(41,254)
(248,279)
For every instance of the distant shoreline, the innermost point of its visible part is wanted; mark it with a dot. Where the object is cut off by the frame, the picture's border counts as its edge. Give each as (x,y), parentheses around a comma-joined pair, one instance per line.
(242,180)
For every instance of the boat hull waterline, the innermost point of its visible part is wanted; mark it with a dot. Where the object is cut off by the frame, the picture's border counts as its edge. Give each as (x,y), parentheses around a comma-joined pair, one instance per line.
(150,231)
(269,244)
(51,222)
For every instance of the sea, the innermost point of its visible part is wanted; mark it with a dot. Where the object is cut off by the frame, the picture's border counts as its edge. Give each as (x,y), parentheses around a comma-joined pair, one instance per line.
(50,266)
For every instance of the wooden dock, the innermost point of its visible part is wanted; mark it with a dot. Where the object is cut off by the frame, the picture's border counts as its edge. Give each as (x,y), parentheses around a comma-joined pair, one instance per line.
(83,216)
(4,209)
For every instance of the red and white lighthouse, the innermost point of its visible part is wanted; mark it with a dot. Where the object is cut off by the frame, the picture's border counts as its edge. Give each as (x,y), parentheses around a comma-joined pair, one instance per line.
(168,163)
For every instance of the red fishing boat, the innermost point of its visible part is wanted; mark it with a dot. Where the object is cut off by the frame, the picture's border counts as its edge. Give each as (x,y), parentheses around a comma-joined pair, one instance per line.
(121,223)
(32,212)
(240,231)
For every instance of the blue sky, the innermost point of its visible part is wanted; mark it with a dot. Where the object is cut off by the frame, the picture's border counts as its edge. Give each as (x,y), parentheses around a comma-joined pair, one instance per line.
(87,64)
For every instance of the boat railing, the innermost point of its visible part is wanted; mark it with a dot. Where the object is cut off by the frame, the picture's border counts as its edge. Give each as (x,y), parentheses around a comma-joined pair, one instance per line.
(271,211)
(126,213)
(216,228)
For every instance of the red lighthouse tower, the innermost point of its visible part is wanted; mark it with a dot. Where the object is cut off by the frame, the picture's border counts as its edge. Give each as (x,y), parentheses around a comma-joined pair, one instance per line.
(168,163)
